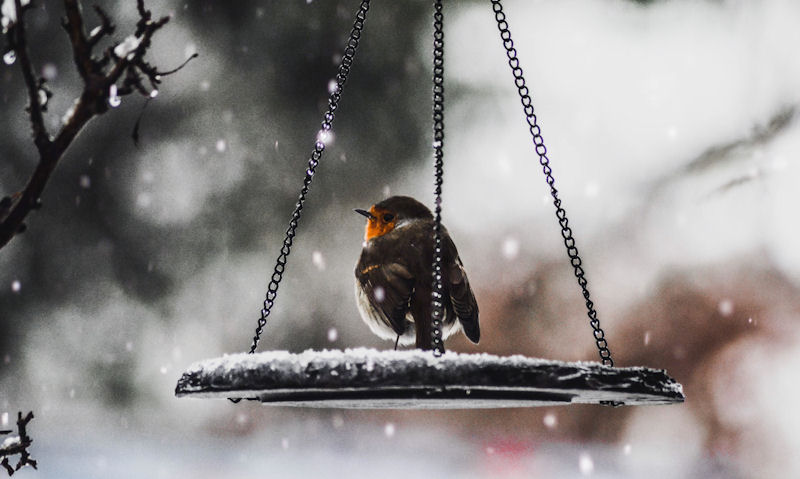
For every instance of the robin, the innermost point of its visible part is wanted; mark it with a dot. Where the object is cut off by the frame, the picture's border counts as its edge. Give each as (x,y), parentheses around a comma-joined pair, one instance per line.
(394,276)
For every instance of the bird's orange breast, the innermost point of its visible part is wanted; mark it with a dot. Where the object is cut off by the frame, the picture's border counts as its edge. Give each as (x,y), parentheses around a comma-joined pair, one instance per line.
(376,226)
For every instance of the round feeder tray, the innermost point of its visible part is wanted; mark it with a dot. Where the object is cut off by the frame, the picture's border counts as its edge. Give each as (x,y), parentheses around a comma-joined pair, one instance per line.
(370,379)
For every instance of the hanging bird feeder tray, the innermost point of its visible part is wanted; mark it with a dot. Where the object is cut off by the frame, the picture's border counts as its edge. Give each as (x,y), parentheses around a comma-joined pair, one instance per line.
(370,379)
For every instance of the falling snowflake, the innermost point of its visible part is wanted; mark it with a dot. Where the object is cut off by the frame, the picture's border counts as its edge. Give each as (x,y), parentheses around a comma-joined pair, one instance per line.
(325,137)
(380,294)
(550,420)
(510,248)
(333,334)
(318,260)
(144,200)
(16,286)
(586,464)
(389,429)
(49,71)
(333,86)
(725,307)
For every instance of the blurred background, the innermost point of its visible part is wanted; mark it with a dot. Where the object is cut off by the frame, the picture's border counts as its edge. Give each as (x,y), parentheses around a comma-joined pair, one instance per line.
(673,131)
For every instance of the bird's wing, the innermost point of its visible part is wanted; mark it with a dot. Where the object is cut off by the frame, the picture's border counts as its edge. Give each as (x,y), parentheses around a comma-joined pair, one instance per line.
(389,287)
(463,299)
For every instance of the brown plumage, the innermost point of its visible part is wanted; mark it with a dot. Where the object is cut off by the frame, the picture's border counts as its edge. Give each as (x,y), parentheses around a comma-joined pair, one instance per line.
(394,276)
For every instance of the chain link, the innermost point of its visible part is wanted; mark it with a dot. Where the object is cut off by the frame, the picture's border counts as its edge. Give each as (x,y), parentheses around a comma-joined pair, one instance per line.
(316,155)
(437,294)
(541,151)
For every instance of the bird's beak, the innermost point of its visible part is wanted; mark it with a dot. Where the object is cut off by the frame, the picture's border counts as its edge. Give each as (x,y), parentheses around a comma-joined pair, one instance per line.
(365,213)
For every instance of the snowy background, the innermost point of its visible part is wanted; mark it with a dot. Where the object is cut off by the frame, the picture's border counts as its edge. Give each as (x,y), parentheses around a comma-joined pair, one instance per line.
(674,135)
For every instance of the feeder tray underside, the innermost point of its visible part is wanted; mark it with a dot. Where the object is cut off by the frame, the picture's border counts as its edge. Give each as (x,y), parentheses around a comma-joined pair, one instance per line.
(370,379)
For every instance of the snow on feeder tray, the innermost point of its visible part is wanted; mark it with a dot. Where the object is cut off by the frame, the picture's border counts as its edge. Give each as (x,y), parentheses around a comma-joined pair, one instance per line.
(416,379)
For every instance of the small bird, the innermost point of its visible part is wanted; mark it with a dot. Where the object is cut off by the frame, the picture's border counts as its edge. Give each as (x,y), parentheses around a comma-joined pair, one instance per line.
(394,276)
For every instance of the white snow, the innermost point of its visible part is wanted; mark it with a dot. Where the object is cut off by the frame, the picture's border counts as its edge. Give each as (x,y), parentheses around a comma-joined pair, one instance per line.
(8,13)
(300,361)
(128,46)
(113,99)
(70,111)
(10,442)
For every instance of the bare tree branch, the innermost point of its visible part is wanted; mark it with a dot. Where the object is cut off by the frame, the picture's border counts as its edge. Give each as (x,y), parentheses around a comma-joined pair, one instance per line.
(122,63)
(18,445)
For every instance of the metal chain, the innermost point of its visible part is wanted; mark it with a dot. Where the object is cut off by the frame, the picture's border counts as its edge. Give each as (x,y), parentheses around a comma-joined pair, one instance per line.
(541,150)
(437,295)
(316,155)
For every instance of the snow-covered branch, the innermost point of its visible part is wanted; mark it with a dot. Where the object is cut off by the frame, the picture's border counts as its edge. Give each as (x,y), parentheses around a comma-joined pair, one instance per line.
(17,444)
(119,70)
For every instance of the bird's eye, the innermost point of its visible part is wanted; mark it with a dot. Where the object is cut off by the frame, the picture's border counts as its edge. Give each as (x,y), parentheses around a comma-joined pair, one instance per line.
(388,217)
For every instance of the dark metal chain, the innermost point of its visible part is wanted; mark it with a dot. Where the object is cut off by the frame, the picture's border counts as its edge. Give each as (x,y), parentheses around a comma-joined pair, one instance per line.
(316,155)
(437,295)
(541,150)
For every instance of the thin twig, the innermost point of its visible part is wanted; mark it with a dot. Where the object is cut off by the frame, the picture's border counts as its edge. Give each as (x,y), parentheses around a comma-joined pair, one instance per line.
(18,42)
(105,28)
(81,50)
(98,74)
